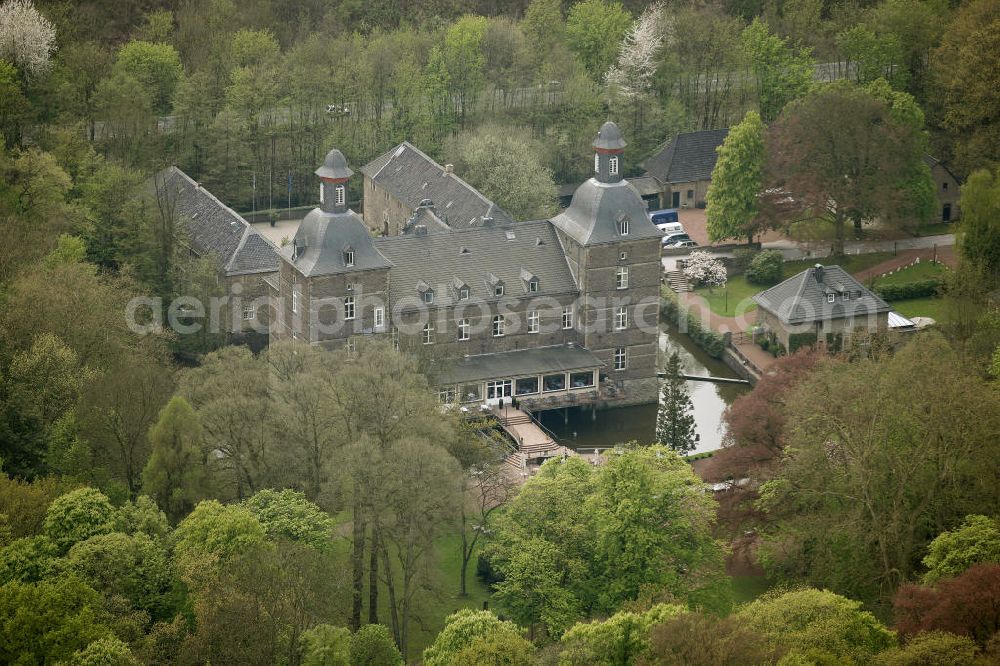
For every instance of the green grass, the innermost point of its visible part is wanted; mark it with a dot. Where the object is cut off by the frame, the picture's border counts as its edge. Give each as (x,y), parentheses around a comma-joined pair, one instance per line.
(931,306)
(748,588)
(852,263)
(925,270)
(936,228)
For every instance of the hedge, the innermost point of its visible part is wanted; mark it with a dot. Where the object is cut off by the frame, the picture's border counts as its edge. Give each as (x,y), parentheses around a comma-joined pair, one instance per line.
(713,343)
(797,340)
(915,289)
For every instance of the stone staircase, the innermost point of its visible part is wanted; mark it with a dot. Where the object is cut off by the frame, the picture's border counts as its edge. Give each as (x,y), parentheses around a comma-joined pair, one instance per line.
(677,281)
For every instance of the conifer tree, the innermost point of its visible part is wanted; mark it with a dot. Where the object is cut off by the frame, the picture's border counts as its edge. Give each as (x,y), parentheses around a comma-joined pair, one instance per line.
(674,420)
(176,476)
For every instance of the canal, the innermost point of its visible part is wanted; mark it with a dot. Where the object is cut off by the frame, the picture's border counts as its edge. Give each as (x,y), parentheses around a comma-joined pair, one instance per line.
(639,423)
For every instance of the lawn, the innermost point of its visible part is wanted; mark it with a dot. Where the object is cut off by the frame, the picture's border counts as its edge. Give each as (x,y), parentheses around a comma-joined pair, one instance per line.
(925,270)
(931,306)
(740,291)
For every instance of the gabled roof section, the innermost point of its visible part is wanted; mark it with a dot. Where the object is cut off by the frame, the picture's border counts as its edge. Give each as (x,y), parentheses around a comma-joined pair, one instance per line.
(593,214)
(412,176)
(932,162)
(318,246)
(688,157)
(215,228)
(437,260)
(804,298)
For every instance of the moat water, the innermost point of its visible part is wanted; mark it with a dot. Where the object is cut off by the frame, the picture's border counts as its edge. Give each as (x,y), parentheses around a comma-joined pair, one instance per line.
(577,427)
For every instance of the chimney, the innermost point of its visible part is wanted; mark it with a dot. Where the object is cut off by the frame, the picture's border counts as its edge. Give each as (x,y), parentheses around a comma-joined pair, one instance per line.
(420,230)
(818,272)
(449,168)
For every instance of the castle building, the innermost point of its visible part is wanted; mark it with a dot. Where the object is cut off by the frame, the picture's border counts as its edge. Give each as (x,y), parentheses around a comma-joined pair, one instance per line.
(552,312)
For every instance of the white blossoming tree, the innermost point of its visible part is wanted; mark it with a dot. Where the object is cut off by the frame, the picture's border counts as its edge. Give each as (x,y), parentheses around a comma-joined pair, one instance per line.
(632,75)
(702,268)
(27,39)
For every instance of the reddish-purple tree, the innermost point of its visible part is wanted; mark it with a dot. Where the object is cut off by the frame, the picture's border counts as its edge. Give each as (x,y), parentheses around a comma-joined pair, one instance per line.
(968,605)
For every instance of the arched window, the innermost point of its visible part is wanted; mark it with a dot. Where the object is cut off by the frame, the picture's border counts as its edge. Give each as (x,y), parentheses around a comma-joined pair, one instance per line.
(613,165)
(341,195)
(597,162)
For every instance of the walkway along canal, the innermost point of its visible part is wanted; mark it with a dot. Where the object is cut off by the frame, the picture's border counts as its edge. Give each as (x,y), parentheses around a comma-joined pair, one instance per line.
(577,428)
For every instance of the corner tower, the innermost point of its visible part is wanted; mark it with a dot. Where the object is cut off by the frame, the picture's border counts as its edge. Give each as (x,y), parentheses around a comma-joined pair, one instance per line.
(613,250)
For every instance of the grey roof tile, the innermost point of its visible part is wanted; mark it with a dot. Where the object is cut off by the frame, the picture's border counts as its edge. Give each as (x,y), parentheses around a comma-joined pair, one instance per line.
(688,157)
(593,214)
(215,228)
(411,176)
(475,257)
(803,298)
(322,238)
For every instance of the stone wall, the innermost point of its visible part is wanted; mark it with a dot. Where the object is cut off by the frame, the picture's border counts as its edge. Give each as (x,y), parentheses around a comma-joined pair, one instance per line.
(383,213)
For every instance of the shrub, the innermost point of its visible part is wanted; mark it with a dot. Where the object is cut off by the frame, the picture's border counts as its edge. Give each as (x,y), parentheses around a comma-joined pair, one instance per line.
(797,340)
(765,268)
(713,343)
(915,289)
(742,256)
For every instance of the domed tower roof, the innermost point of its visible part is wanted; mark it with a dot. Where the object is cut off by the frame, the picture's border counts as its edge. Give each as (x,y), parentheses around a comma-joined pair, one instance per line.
(609,137)
(334,167)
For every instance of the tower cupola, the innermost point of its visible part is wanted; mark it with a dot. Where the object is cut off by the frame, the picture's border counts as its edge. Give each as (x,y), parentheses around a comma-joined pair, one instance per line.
(608,148)
(333,176)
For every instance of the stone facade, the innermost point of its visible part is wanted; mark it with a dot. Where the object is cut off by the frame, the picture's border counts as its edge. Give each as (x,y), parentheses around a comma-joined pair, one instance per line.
(946,190)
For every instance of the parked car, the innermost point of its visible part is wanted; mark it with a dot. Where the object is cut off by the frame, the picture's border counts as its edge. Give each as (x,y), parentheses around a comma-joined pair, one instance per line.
(675,237)
(680,244)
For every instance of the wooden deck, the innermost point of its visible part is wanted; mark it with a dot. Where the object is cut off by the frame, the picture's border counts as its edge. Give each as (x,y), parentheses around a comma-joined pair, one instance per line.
(534,445)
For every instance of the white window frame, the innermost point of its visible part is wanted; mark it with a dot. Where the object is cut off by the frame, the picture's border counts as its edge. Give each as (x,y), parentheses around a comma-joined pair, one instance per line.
(249,311)
(498,289)
(427,334)
(379,318)
(349,310)
(597,162)
(499,326)
(533,321)
(621,318)
(463,329)
(447,395)
(532,286)
(623,226)
(621,358)
(463,293)
(296,298)
(621,277)
(348,257)
(429,296)
(613,165)
(567,317)
(830,298)
(341,195)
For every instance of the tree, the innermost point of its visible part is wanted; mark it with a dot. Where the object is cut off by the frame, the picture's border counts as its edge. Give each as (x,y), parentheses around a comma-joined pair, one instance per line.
(821,621)
(455,69)
(967,605)
(702,639)
(840,154)
(766,268)
(963,99)
(106,651)
(861,493)
(980,233)
(507,167)
(675,425)
(47,622)
(287,514)
(931,648)
(872,56)
(976,541)
(156,66)
(372,645)
(213,534)
(28,559)
(135,567)
(624,638)
(27,38)
(461,630)
(781,73)
(637,58)
(702,268)
(737,182)
(176,474)
(77,516)
(594,31)
(326,645)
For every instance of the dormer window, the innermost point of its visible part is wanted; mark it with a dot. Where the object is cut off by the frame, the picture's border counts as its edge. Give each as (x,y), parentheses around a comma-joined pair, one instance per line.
(533,285)
(341,195)
(530,281)
(463,293)
(623,226)
(498,289)
(426,293)
(613,165)
(831,297)
(348,257)
(429,296)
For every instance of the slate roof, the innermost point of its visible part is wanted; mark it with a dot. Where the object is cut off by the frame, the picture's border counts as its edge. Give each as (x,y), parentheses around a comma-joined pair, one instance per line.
(215,228)
(593,214)
(475,257)
(537,361)
(803,298)
(323,237)
(931,162)
(688,157)
(609,137)
(411,176)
